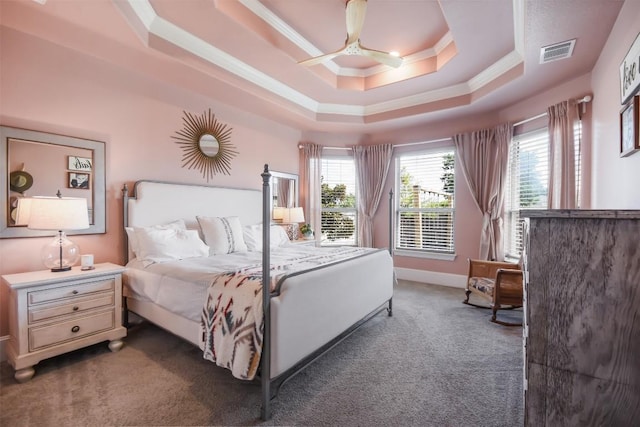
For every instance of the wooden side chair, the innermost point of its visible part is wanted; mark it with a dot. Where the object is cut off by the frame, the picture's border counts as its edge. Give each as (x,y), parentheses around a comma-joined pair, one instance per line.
(498,282)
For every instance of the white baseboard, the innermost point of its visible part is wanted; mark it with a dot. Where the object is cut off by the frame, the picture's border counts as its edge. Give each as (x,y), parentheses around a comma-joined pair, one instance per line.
(3,353)
(433,277)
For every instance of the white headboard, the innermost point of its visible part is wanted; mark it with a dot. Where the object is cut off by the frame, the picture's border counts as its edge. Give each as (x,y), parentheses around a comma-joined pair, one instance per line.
(160,202)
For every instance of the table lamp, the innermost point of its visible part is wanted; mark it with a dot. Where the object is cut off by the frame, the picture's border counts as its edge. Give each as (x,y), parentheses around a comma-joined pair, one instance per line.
(278,212)
(55,213)
(293,217)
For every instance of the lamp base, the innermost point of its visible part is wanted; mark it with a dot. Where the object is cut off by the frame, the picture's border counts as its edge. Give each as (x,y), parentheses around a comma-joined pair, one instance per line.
(60,254)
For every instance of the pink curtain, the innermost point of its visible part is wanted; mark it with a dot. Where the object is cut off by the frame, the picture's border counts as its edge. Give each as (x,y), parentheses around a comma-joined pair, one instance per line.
(483,156)
(311,186)
(372,165)
(284,193)
(562,171)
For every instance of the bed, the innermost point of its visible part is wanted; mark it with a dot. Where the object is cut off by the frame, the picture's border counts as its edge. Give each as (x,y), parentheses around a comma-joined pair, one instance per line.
(316,298)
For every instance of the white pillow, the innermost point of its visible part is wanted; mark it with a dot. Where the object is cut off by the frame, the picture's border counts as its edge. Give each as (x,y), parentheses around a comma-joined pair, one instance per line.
(223,235)
(278,236)
(167,244)
(133,239)
(253,237)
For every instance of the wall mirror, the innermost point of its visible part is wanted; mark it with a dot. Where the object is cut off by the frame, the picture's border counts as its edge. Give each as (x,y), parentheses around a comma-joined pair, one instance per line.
(206,144)
(40,164)
(284,189)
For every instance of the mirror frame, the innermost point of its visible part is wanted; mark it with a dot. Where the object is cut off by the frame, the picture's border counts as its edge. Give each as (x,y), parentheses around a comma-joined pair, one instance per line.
(99,181)
(193,156)
(291,176)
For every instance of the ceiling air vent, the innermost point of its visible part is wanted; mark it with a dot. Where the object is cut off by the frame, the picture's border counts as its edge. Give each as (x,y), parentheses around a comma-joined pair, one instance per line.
(557,51)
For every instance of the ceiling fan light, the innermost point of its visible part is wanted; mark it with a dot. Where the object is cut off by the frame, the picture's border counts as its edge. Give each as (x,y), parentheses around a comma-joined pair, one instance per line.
(394,53)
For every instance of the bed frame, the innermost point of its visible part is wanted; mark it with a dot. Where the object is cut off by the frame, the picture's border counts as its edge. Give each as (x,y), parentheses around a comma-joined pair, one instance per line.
(183,327)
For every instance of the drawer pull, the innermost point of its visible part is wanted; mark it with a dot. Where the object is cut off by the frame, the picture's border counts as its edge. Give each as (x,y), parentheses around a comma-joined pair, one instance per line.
(74,292)
(75,329)
(75,308)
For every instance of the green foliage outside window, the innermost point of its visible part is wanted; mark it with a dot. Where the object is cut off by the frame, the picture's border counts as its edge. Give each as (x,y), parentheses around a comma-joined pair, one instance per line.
(336,225)
(424,229)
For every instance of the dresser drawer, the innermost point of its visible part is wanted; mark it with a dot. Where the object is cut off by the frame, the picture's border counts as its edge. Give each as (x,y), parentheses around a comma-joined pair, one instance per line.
(70,330)
(75,306)
(38,297)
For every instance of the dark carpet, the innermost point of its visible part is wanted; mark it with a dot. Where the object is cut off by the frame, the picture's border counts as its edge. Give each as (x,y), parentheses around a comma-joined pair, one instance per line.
(436,362)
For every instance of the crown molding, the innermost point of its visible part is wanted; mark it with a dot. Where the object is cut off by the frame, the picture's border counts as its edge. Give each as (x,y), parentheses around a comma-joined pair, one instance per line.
(167,31)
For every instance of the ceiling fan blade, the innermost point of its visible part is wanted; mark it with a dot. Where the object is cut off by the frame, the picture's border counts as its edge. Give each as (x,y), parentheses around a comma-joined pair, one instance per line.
(318,59)
(382,57)
(356,10)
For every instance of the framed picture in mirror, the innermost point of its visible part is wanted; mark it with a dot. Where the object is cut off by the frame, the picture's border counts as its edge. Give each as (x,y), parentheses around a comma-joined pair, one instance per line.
(629,142)
(78,180)
(75,163)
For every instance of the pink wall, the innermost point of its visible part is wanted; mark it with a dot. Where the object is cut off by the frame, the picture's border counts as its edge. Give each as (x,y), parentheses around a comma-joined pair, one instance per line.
(615,184)
(49,88)
(52,89)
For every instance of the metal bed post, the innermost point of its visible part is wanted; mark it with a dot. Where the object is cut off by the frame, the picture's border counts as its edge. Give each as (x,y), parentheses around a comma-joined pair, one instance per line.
(265,360)
(125,216)
(391,222)
(125,208)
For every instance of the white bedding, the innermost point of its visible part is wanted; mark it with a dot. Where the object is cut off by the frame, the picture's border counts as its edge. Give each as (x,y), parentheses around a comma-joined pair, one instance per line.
(181,286)
(304,316)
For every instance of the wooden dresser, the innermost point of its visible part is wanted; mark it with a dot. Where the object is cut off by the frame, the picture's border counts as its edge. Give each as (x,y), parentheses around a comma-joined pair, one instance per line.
(53,313)
(582,318)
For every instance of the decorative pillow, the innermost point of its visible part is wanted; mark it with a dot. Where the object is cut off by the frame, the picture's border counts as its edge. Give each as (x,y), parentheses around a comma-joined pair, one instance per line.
(223,235)
(133,238)
(278,236)
(253,237)
(162,245)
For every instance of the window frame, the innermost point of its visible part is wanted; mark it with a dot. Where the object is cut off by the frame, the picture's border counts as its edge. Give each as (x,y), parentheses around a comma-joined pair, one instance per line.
(354,210)
(510,234)
(446,255)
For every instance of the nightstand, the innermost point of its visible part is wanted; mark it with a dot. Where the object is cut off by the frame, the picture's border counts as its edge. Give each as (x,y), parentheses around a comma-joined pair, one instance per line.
(304,242)
(54,313)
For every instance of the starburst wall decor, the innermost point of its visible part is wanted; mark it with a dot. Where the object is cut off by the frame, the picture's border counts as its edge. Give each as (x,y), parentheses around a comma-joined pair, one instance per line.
(206,145)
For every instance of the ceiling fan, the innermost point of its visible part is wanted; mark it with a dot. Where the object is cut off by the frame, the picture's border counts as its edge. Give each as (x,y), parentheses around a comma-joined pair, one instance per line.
(356,10)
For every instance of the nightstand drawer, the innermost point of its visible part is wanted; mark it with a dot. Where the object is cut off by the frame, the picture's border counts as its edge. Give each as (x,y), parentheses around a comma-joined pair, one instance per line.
(38,297)
(77,306)
(70,330)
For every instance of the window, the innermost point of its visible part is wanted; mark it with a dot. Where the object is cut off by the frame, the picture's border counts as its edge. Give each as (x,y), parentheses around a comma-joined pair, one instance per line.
(527,181)
(339,209)
(526,186)
(425,203)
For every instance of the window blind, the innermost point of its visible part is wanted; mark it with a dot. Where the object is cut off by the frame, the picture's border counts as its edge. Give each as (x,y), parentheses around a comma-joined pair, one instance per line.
(339,220)
(527,180)
(425,201)
(526,184)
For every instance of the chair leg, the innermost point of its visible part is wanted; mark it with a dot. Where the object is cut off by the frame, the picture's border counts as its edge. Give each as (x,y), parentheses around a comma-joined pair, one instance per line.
(466,300)
(494,319)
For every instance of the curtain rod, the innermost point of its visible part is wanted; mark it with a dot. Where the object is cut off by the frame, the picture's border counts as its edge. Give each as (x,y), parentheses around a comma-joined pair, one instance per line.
(530,119)
(584,100)
(394,145)
(407,144)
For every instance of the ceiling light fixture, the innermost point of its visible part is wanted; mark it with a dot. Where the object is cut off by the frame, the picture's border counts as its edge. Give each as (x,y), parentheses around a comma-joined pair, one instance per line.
(355,11)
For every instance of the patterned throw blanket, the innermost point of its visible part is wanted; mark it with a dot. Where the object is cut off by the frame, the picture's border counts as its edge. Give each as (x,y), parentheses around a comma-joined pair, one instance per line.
(232,319)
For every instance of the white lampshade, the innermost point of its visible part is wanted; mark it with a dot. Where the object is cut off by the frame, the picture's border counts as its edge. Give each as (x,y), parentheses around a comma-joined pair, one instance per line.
(293,215)
(278,213)
(23,211)
(57,213)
